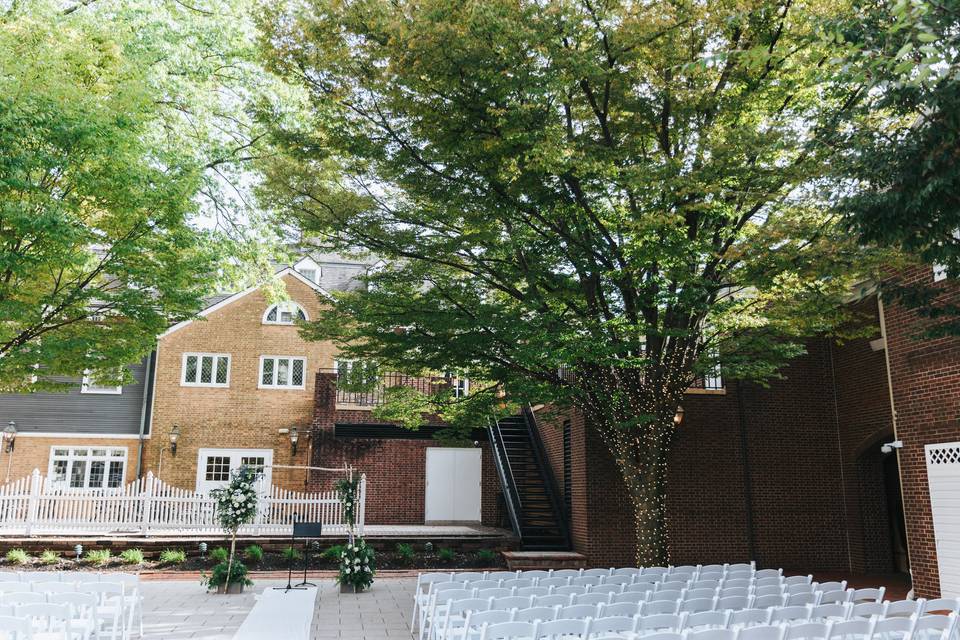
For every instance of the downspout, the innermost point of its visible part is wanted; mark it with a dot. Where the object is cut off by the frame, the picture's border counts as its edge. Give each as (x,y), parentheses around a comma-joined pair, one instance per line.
(893,416)
(747,476)
(146,409)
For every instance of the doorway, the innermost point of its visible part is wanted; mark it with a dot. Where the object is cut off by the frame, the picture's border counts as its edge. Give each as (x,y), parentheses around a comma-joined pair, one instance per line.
(453,485)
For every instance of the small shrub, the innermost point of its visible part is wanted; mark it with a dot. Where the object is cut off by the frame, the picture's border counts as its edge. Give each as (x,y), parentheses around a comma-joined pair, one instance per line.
(486,557)
(446,554)
(254,553)
(173,556)
(405,551)
(18,556)
(98,557)
(292,554)
(218,575)
(132,556)
(220,554)
(333,552)
(49,557)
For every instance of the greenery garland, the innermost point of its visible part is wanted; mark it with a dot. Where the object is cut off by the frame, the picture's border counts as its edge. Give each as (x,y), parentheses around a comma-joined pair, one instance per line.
(348,492)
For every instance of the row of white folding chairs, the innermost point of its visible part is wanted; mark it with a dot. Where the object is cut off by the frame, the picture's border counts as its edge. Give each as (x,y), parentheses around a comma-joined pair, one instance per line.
(128,591)
(121,609)
(69,576)
(441,617)
(915,628)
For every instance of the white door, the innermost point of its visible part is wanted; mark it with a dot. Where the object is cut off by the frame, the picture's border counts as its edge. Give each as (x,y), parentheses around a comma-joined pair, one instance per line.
(943,475)
(453,485)
(214,465)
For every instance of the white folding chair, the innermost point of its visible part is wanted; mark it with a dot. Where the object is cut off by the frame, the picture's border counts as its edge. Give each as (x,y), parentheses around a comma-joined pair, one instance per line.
(510,603)
(596,573)
(502,575)
(660,607)
(49,621)
(809,631)
(617,626)
(110,607)
(707,620)
(866,595)
(796,599)
(899,608)
(534,614)
(692,594)
(476,620)
(772,590)
(608,589)
(553,581)
(617,609)
(861,629)
(946,605)
(54,587)
(700,583)
(13,587)
(834,612)
(535,574)
(934,627)
(468,576)
(533,591)
(697,605)
(421,595)
(664,635)
(628,597)
(711,634)
(749,618)
(735,587)
(834,597)
(830,586)
(553,600)
(518,583)
(592,598)
(565,573)
(570,590)
(791,580)
(14,627)
(742,566)
(9,576)
(789,614)
(627,571)
(765,602)
(577,611)
(509,631)
(640,587)
(654,571)
(713,568)
(563,629)
(660,622)
(684,568)
(494,593)
(762,632)
(733,603)
(866,610)
(616,579)
(659,596)
(478,585)
(24,597)
(436,610)
(892,628)
(768,582)
(585,581)
(762,574)
(34,577)
(455,614)
(803,587)
(84,608)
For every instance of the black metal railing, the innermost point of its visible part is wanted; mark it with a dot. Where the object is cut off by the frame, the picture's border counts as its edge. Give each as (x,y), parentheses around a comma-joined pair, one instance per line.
(549,481)
(511,496)
(712,382)
(371,393)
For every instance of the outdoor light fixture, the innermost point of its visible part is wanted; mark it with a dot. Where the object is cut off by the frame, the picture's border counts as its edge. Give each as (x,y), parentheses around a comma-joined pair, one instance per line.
(890,446)
(174,436)
(203,550)
(78,550)
(9,436)
(294,439)
(678,416)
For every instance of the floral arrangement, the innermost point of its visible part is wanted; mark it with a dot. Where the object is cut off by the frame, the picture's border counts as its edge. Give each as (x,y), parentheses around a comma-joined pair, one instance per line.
(235,506)
(357,565)
(348,492)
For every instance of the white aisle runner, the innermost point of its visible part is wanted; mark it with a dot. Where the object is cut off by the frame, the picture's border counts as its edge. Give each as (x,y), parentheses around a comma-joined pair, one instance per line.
(280,614)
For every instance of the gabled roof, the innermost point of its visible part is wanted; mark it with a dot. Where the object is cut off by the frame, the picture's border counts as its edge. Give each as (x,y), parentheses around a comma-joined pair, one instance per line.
(220,301)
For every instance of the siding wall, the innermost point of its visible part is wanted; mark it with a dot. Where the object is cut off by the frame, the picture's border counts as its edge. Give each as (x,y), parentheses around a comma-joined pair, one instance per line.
(75,412)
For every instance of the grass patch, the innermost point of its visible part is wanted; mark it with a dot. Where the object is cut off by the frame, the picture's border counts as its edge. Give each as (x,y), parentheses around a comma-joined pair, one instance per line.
(292,554)
(486,556)
(18,556)
(333,552)
(254,553)
(446,554)
(173,556)
(49,557)
(132,556)
(220,554)
(98,557)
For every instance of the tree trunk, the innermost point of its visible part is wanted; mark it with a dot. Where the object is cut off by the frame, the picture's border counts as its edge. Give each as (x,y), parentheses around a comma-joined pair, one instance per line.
(233,549)
(645,477)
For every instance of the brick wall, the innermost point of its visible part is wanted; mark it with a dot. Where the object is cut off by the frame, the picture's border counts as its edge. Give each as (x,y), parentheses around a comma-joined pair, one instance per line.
(926,384)
(789,433)
(241,416)
(395,468)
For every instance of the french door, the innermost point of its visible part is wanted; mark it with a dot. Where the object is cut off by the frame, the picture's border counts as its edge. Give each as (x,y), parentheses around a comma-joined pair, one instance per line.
(215,465)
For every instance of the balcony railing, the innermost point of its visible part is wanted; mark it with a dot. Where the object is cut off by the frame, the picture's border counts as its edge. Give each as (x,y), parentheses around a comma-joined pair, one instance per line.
(713,382)
(374,393)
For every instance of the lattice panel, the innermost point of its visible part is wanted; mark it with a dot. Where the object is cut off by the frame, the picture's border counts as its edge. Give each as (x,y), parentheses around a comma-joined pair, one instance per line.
(948,454)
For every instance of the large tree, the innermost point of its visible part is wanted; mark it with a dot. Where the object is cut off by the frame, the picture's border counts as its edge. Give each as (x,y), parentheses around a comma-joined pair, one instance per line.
(588,202)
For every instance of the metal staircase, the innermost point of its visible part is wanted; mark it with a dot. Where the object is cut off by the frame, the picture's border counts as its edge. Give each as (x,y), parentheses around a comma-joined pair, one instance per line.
(536,513)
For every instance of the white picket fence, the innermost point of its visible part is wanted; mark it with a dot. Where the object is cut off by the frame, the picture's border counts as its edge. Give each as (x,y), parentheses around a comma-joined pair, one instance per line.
(149,506)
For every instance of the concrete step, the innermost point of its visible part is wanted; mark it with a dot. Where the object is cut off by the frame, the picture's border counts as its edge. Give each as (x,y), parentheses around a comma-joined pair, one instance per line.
(523,560)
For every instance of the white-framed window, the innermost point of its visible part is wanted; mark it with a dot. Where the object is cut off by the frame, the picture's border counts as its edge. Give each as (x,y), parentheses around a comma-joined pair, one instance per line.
(308,269)
(89,385)
(284,313)
(205,370)
(282,372)
(87,467)
(459,384)
(215,465)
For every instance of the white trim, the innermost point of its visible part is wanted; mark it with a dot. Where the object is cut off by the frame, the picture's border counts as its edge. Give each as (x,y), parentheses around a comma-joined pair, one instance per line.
(286,305)
(105,391)
(92,436)
(291,387)
(89,459)
(200,355)
(311,264)
(288,271)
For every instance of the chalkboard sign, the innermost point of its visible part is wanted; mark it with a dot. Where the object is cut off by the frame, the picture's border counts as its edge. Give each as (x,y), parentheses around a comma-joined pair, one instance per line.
(307,529)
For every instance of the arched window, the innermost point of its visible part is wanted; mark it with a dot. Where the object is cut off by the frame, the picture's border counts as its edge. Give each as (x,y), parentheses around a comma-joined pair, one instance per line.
(284,313)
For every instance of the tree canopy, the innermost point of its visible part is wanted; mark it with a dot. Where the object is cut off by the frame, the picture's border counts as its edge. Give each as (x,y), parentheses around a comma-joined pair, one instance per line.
(590,202)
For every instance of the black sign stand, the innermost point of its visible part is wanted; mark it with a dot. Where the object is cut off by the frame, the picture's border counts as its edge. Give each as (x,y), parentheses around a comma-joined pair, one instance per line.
(290,586)
(307,530)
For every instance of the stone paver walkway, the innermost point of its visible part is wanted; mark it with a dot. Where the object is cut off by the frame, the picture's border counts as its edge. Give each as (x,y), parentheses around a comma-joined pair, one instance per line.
(176,609)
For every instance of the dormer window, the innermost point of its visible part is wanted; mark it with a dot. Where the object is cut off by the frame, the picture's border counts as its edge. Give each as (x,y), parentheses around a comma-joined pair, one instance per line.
(284,313)
(308,269)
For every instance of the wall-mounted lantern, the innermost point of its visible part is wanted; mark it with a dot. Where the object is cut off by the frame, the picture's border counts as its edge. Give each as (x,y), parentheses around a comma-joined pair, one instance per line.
(294,439)
(9,436)
(174,437)
(678,416)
